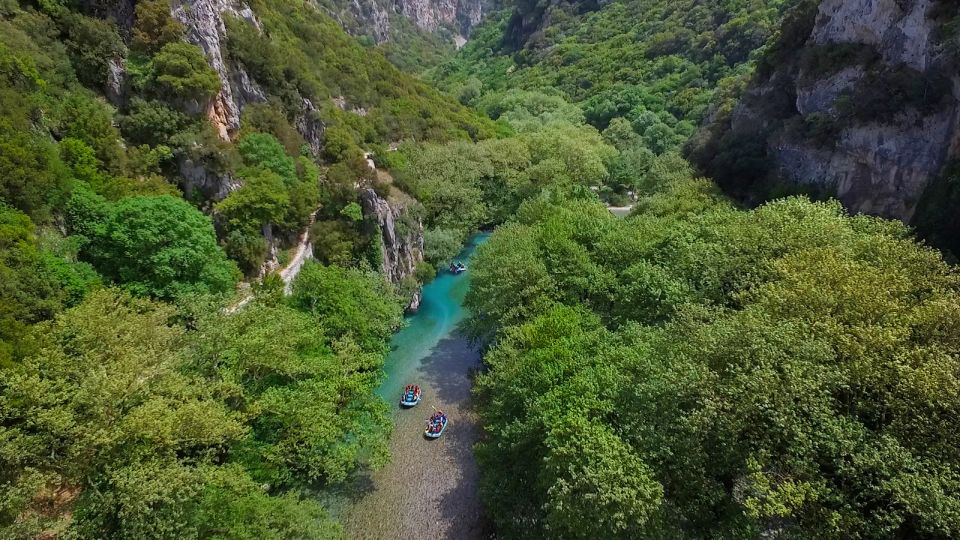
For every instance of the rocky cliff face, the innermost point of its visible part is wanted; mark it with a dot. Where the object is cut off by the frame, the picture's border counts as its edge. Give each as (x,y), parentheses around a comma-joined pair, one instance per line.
(373,17)
(204,21)
(402,238)
(860,100)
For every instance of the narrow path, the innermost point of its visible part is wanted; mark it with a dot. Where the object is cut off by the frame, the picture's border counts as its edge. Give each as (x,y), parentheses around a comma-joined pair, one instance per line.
(288,272)
(429,490)
(304,253)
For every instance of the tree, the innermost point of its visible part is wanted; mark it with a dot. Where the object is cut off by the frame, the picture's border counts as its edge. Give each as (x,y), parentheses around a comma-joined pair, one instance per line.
(161,247)
(309,403)
(34,284)
(440,246)
(265,151)
(103,395)
(152,122)
(620,134)
(92,44)
(154,27)
(32,176)
(181,72)
(692,370)
(349,303)
(600,487)
(262,200)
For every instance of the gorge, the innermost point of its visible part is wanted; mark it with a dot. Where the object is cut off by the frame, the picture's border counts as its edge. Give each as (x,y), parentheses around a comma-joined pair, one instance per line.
(716,297)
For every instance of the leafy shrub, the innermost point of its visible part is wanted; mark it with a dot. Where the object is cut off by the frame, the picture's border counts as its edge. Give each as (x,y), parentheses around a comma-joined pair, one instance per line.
(440,246)
(155,27)
(425,272)
(152,122)
(92,44)
(350,303)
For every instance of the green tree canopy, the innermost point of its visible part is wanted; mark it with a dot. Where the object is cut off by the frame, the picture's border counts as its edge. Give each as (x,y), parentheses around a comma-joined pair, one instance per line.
(349,303)
(160,246)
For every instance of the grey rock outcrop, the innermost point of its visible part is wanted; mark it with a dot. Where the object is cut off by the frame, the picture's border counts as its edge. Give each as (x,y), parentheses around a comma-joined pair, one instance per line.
(402,238)
(116,87)
(309,125)
(200,178)
(874,131)
(205,26)
(374,17)
(123,12)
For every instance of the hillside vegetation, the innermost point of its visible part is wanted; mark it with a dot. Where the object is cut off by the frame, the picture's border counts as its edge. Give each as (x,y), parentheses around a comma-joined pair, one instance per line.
(701,371)
(652,65)
(132,404)
(695,370)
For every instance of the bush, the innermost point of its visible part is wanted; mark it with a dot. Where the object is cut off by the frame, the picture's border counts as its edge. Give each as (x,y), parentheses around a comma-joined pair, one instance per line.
(92,44)
(154,27)
(32,176)
(349,303)
(248,250)
(425,272)
(151,122)
(440,246)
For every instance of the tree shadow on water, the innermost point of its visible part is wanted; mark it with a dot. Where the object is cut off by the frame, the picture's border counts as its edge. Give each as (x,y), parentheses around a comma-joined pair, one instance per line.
(448,367)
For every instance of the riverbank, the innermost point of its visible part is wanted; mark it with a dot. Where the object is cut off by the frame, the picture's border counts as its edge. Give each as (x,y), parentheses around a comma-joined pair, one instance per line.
(429,489)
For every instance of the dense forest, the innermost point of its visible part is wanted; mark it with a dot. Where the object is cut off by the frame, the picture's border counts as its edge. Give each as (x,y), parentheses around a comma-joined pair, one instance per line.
(701,371)
(696,369)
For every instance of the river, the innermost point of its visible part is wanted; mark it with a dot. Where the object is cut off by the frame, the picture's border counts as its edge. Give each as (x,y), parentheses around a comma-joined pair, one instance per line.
(429,489)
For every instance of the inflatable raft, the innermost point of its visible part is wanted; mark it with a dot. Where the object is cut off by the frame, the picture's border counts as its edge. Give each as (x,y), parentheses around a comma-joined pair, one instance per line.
(411,395)
(436,425)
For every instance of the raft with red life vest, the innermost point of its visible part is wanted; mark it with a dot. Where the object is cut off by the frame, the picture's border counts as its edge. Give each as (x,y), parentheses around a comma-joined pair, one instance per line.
(411,395)
(436,425)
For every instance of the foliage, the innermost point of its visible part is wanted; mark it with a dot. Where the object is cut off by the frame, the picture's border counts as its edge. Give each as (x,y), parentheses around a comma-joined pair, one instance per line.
(152,122)
(617,59)
(303,53)
(335,242)
(32,177)
(35,284)
(92,45)
(161,247)
(745,370)
(181,71)
(349,303)
(465,186)
(154,27)
(106,419)
(308,401)
(440,246)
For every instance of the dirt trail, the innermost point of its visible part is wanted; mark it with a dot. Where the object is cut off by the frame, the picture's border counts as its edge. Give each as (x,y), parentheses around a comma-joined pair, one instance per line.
(429,490)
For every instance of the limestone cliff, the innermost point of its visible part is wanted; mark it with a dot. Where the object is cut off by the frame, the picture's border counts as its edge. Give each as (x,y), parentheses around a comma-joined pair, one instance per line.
(204,21)
(376,18)
(402,237)
(859,99)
